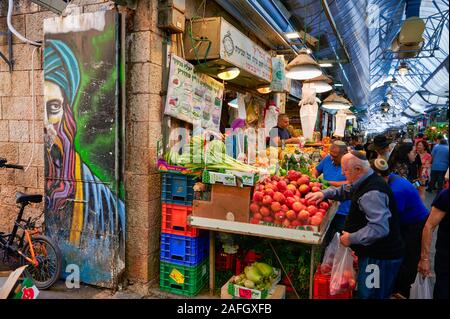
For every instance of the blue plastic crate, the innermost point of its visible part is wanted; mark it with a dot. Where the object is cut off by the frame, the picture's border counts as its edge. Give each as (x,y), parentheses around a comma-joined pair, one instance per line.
(177,189)
(182,250)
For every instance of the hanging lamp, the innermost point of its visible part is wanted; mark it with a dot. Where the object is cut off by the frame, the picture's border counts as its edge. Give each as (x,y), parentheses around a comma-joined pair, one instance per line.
(321,83)
(228,73)
(264,89)
(234,103)
(303,67)
(336,102)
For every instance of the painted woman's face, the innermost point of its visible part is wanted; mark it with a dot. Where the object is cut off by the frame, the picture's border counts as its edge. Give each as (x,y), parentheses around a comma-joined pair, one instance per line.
(53,99)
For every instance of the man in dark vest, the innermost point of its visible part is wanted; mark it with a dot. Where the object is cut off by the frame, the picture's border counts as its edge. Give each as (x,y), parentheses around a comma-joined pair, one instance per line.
(372,226)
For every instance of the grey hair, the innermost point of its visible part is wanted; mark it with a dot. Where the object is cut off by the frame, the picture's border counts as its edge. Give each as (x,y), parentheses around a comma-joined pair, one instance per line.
(341,146)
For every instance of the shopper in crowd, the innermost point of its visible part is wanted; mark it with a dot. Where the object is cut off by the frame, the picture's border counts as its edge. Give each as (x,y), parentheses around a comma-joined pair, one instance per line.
(413,215)
(419,138)
(439,164)
(369,148)
(423,150)
(438,216)
(383,146)
(372,227)
(405,162)
(331,169)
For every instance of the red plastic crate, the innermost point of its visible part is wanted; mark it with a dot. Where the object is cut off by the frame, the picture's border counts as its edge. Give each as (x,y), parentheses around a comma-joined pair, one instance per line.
(175,220)
(249,258)
(321,288)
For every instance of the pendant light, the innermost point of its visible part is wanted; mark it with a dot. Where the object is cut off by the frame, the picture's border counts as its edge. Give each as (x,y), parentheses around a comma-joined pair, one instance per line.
(234,103)
(336,102)
(228,73)
(303,67)
(264,89)
(403,69)
(321,83)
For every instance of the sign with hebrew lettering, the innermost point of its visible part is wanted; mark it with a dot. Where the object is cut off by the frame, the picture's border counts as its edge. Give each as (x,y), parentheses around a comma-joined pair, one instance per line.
(193,97)
(242,52)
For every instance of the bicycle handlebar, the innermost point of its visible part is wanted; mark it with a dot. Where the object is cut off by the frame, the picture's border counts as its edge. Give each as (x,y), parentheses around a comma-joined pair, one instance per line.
(3,162)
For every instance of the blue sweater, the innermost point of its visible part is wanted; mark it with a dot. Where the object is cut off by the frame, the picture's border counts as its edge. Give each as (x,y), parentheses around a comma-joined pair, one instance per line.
(410,207)
(440,158)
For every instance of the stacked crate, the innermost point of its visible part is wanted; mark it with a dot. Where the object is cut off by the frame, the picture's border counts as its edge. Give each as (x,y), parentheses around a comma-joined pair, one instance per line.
(184,262)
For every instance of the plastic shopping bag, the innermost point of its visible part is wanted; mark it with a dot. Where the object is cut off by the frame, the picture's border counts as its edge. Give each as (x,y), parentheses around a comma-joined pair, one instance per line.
(327,262)
(342,273)
(421,288)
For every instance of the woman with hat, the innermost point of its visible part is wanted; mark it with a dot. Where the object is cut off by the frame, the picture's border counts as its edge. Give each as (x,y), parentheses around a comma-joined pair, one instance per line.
(413,215)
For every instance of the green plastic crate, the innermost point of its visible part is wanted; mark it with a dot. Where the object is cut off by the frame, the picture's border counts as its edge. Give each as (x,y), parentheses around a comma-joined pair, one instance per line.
(183,280)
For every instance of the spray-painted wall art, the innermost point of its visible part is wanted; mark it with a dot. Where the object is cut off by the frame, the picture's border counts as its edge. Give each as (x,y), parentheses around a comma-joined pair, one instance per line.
(84,196)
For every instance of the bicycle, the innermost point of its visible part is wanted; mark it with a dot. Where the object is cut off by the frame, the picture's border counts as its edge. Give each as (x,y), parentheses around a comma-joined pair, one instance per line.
(37,251)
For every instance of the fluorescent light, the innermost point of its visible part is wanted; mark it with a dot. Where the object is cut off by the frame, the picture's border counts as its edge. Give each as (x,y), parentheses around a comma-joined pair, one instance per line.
(292,35)
(228,73)
(326,65)
(233,103)
(338,84)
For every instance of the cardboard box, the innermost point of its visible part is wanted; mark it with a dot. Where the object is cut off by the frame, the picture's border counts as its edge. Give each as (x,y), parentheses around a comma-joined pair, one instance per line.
(226,203)
(240,292)
(170,18)
(180,5)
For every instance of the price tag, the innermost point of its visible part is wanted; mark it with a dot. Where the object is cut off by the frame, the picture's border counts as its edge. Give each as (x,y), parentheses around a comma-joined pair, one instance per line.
(177,276)
(245,293)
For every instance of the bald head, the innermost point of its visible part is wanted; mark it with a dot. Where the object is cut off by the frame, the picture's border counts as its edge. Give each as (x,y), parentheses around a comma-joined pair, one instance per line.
(353,167)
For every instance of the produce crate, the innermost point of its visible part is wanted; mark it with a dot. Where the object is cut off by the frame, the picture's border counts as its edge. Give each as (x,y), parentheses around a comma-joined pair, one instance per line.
(247,293)
(322,287)
(278,293)
(177,189)
(183,280)
(175,220)
(182,250)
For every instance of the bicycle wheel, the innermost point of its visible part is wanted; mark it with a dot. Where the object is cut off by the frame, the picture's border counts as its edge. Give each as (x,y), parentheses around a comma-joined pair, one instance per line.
(49,257)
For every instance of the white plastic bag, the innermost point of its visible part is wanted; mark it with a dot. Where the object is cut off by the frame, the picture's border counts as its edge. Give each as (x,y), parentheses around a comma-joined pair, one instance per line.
(330,251)
(421,288)
(342,274)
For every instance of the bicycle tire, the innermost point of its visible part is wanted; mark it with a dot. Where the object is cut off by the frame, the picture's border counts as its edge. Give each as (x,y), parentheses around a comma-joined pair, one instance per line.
(30,271)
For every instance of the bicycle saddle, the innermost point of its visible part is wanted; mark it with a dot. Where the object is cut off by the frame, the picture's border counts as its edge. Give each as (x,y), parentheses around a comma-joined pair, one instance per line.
(28,198)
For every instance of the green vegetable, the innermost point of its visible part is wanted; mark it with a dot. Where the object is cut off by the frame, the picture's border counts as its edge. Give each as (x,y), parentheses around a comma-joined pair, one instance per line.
(253,274)
(249,284)
(264,269)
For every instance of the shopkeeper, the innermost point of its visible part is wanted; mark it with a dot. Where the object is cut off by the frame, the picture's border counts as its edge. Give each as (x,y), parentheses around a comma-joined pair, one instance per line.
(280,133)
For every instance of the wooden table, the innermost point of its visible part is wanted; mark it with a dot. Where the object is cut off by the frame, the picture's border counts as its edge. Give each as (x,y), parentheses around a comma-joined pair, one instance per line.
(314,239)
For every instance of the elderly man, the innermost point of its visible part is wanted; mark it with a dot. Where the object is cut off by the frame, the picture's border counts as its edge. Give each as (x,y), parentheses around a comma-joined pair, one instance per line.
(331,169)
(372,226)
(280,133)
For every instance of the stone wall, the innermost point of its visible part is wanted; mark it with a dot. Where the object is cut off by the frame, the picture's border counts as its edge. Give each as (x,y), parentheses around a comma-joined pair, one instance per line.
(143,124)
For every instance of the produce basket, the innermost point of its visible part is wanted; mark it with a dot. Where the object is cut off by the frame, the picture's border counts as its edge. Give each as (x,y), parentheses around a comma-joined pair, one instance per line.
(247,293)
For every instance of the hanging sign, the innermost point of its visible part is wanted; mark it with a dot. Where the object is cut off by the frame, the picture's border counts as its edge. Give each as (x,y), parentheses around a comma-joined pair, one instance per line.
(242,52)
(280,83)
(193,97)
(296,89)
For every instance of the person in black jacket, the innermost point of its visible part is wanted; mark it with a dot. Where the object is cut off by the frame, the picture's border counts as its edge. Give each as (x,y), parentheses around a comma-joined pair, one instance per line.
(372,227)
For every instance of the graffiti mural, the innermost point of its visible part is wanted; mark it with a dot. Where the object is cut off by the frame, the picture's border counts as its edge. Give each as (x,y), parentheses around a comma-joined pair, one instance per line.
(84,196)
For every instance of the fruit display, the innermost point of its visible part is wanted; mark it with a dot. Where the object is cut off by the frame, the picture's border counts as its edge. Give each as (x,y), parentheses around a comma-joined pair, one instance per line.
(258,276)
(281,201)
